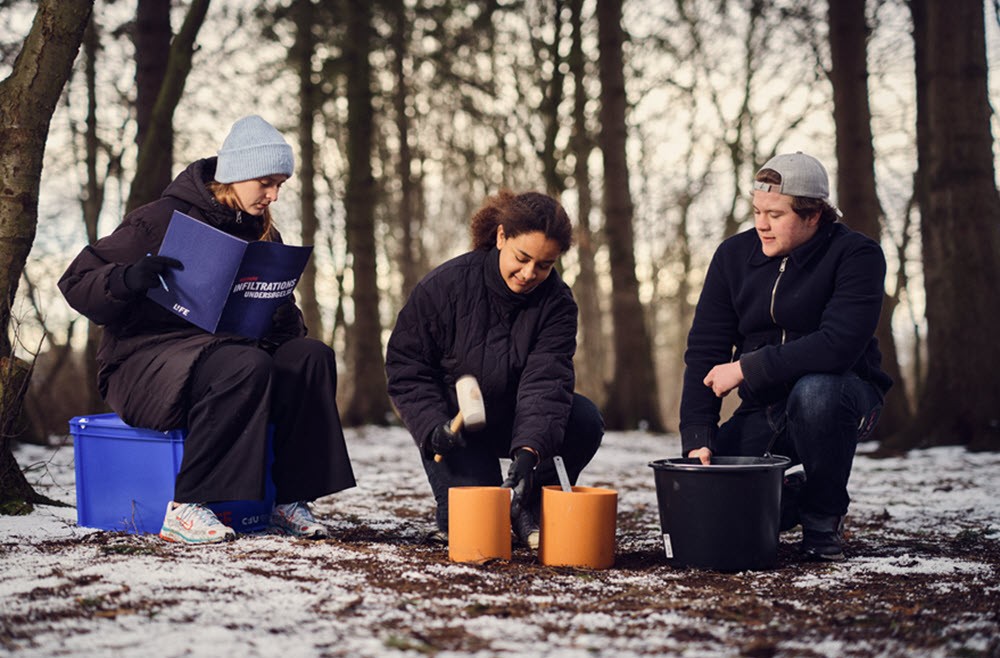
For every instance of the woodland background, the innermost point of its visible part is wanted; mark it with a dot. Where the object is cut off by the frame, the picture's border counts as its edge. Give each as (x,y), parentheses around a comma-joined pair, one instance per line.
(647,118)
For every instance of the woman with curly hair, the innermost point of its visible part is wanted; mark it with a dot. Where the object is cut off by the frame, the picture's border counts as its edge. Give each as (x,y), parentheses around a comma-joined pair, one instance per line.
(502,314)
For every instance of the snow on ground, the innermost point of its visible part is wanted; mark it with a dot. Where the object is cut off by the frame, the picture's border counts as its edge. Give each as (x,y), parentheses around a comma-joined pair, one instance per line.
(377,588)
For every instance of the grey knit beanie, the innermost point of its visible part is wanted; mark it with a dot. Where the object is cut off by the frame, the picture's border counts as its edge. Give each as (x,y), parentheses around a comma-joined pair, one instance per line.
(253,149)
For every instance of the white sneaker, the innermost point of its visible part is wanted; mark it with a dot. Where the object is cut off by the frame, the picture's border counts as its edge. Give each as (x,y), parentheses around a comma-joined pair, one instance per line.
(296,519)
(193,523)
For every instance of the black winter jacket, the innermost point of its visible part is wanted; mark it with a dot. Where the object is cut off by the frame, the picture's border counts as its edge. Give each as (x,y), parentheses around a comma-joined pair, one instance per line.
(462,319)
(812,311)
(147,353)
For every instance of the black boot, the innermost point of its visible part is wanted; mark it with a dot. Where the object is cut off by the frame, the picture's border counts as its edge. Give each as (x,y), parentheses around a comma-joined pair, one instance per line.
(821,537)
(791,488)
(525,528)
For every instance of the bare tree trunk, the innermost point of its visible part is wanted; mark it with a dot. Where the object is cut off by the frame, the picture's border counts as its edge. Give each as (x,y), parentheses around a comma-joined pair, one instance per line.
(152,42)
(370,402)
(633,398)
(146,185)
(302,55)
(856,193)
(409,244)
(590,374)
(552,96)
(93,199)
(28,98)
(960,229)
(737,147)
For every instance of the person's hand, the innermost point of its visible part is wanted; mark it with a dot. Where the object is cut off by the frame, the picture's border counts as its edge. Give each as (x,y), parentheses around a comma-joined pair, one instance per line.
(702,454)
(724,377)
(285,321)
(443,440)
(521,480)
(286,324)
(146,273)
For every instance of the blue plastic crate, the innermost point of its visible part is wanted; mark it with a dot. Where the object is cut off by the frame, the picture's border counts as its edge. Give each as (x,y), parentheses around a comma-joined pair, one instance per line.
(125,477)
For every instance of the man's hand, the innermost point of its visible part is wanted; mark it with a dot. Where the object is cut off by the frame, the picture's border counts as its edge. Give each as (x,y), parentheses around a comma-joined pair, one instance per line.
(443,440)
(703,454)
(723,378)
(146,272)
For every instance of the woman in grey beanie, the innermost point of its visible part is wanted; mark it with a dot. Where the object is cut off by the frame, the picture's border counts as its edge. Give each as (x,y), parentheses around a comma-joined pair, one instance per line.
(158,371)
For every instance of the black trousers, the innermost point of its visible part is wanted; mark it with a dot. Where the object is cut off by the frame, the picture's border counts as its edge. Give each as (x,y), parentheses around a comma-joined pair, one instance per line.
(477,464)
(236,390)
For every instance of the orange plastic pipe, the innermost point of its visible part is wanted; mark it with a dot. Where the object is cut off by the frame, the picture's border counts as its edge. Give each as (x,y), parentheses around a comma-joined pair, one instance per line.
(478,524)
(578,527)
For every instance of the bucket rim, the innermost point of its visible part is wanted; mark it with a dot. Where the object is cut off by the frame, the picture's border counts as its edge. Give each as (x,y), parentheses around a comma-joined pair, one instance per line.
(586,491)
(471,487)
(692,464)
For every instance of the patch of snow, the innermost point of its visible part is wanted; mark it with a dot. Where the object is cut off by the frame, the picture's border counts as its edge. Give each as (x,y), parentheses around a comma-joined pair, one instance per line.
(74,591)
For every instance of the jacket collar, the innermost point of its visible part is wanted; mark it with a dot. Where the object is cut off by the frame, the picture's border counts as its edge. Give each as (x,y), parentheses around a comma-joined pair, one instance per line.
(191,186)
(801,254)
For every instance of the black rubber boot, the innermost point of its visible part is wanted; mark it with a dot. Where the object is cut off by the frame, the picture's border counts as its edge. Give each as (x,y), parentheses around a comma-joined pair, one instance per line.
(791,488)
(821,537)
(525,526)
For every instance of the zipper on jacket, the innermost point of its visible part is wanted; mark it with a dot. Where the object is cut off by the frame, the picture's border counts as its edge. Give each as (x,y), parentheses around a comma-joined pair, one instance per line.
(239,218)
(774,292)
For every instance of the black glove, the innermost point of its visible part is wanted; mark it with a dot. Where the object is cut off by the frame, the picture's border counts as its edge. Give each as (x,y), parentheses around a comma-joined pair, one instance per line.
(286,324)
(285,321)
(521,479)
(146,273)
(443,440)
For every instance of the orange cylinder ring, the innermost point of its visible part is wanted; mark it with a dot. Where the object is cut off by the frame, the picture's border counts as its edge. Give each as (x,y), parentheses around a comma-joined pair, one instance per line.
(578,527)
(478,524)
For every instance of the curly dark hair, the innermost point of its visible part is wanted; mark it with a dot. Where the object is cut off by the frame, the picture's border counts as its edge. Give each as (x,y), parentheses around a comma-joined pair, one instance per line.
(520,213)
(805,207)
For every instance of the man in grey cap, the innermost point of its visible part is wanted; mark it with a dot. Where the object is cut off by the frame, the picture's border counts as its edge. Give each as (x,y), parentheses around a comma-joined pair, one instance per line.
(787,315)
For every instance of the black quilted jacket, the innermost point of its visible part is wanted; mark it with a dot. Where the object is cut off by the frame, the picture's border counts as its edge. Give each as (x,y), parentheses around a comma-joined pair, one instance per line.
(463,319)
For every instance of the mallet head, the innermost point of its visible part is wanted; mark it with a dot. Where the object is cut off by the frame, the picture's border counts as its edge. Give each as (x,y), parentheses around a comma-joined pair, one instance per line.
(470,402)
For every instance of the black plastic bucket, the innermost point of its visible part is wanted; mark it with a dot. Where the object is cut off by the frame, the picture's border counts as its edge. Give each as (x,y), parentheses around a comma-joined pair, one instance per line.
(723,516)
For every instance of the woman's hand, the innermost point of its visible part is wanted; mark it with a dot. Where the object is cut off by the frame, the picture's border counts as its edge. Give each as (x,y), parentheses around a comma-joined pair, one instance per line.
(148,271)
(520,475)
(443,440)
(286,320)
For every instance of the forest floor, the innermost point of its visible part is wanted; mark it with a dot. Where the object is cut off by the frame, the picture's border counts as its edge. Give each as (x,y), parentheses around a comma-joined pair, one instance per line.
(922,578)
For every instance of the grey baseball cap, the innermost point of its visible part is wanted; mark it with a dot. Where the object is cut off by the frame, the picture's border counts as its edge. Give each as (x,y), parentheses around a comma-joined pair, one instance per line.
(801,175)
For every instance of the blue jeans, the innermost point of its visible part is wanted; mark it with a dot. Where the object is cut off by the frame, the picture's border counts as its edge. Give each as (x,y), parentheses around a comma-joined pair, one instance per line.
(477,464)
(818,425)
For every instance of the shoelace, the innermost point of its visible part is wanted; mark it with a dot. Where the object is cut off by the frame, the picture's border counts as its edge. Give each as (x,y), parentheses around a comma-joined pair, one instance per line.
(200,513)
(300,511)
